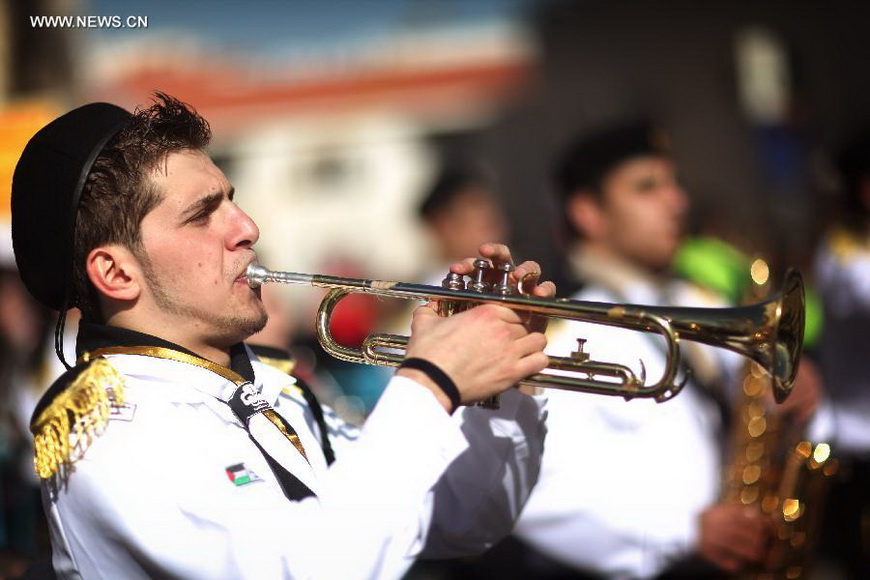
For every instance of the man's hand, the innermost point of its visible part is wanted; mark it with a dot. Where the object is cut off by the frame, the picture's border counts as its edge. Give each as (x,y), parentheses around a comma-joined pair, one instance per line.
(733,536)
(484,350)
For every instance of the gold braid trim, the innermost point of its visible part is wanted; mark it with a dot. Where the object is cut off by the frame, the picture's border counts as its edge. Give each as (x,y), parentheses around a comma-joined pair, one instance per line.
(65,429)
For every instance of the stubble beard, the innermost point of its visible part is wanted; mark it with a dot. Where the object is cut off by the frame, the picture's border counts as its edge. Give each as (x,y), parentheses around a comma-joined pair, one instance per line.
(229,328)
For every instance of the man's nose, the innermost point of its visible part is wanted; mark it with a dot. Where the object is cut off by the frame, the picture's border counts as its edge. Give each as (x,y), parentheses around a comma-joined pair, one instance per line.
(246,232)
(678,199)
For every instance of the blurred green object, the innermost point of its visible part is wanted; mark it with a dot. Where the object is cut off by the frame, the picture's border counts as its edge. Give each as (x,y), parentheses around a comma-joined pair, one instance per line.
(722,268)
(814,318)
(714,264)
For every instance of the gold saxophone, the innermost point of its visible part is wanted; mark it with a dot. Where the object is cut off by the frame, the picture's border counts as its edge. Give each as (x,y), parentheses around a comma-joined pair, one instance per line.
(774,469)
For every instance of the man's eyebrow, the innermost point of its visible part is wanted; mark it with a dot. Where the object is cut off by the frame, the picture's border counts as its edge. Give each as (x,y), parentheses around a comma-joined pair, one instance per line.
(204,203)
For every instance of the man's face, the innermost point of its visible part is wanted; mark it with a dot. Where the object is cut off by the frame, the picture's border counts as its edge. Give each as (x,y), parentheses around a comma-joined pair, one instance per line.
(471,219)
(642,211)
(197,245)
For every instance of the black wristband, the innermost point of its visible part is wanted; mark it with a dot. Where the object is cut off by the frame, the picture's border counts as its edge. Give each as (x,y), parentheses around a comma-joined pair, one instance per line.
(439,377)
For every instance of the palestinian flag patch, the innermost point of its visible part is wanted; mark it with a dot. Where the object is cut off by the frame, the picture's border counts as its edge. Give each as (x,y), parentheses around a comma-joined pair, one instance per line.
(241,475)
(122,412)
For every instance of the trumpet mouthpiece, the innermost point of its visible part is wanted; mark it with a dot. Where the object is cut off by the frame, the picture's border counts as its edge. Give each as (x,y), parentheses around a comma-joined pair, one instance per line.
(256,275)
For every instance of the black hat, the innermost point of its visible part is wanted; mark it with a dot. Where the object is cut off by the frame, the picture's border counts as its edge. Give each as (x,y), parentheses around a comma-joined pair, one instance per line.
(589,159)
(46,188)
(453,181)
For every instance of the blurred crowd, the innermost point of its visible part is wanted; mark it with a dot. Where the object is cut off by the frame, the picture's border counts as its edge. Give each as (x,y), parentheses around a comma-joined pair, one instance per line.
(26,370)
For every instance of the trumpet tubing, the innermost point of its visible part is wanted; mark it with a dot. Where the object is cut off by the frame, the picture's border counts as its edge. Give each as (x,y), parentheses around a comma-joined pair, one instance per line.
(770,332)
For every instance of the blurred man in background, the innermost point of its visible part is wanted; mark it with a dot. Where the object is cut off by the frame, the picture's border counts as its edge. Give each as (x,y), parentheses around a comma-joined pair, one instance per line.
(631,489)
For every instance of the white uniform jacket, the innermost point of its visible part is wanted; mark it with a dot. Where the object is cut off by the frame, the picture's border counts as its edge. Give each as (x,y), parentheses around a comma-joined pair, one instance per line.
(174,488)
(623,483)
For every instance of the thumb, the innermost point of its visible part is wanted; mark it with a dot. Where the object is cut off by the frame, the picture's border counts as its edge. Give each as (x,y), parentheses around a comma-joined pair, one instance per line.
(423,316)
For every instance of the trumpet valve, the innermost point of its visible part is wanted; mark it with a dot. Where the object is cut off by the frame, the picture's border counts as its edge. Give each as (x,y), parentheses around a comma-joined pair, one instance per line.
(453,281)
(479,284)
(504,286)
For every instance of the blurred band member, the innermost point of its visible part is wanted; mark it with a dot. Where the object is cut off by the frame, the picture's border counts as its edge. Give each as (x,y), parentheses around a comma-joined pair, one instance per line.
(630,489)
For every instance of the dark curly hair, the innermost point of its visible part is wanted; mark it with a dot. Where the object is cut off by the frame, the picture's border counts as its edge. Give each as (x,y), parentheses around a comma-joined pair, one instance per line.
(119,191)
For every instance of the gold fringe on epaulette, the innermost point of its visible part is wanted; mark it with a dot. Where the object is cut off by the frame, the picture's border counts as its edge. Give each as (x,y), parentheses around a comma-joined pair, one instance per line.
(66,428)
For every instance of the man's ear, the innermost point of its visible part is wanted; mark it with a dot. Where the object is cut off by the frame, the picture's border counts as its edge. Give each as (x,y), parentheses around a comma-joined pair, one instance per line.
(586,215)
(114,272)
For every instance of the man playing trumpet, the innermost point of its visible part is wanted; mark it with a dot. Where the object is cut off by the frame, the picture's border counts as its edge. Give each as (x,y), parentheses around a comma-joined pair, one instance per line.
(170,450)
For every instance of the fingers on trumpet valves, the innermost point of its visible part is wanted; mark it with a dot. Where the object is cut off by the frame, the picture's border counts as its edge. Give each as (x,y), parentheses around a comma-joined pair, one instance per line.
(500,277)
(485,277)
(478,271)
(494,271)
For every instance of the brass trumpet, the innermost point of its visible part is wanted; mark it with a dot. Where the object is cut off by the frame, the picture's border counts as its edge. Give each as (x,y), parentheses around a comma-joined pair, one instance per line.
(769,332)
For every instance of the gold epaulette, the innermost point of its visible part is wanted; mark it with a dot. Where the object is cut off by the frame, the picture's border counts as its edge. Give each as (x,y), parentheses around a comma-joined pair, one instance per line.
(846,244)
(65,429)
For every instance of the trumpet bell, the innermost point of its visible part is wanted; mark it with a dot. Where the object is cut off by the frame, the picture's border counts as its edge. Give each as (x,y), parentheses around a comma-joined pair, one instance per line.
(770,332)
(788,336)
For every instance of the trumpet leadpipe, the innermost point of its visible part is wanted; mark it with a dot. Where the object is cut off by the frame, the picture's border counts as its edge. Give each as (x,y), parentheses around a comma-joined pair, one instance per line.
(601,313)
